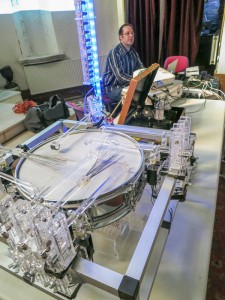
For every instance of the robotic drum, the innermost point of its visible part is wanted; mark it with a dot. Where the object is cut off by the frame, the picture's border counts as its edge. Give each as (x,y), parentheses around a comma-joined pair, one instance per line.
(99,173)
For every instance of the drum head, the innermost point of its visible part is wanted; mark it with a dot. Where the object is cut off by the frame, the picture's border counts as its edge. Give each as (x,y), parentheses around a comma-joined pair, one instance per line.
(87,163)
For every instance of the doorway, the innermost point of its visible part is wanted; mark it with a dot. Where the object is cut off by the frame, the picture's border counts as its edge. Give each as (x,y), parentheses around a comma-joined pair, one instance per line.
(210,32)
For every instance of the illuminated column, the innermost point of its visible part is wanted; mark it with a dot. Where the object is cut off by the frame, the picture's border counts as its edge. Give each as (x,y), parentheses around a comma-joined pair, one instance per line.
(84,16)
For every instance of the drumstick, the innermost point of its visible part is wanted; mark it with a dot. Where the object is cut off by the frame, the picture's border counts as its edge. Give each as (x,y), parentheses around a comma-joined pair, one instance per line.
(104,160)
(28,186)
(55,145)
(90,201)
(54,162)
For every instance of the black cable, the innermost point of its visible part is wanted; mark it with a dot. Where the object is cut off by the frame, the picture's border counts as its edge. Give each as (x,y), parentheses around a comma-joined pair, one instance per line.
(152,194)
(171,214)
(104,113)
(167,92)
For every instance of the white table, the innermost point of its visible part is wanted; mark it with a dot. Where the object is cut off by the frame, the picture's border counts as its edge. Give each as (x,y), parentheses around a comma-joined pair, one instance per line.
(183,271)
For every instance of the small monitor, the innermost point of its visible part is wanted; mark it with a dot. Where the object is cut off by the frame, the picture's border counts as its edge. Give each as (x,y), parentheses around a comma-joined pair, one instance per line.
(138,91)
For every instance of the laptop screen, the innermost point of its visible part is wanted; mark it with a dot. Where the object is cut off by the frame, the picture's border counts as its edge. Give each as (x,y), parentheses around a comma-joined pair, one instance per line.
(172,66)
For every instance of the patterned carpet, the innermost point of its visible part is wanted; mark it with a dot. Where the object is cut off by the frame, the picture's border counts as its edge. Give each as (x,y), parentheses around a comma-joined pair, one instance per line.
(216,279)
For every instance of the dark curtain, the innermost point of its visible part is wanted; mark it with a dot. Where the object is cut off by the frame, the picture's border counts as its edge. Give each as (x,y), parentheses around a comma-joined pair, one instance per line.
(220,12)
(144,16)
(182,27)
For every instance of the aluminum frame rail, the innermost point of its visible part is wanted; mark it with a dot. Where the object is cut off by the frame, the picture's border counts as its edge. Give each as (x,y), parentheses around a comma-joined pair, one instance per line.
(134,285)
(63,125)
(138,279)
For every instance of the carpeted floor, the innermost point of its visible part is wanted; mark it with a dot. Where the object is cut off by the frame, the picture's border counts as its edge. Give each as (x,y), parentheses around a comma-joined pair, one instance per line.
(216,279)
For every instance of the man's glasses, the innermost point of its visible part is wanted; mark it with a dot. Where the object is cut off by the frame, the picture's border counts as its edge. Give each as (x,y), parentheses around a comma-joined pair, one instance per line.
(129,33)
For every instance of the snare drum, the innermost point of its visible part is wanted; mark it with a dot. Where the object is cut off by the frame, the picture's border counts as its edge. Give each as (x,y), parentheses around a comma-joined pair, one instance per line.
(108,166)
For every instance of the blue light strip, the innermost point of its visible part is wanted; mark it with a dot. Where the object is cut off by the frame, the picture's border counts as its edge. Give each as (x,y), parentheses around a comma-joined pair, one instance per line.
(84,16)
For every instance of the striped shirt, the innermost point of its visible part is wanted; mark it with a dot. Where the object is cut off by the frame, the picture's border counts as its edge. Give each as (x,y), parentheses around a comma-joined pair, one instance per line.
(120,65)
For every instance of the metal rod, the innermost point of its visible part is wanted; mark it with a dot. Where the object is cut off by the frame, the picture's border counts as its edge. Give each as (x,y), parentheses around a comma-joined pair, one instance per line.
(97,275)
(146,243)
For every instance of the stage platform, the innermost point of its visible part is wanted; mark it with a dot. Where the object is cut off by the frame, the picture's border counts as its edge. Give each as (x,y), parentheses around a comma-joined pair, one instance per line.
(11,123)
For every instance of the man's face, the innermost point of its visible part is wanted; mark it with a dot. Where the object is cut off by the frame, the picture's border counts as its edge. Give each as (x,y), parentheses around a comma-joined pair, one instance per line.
(127,37)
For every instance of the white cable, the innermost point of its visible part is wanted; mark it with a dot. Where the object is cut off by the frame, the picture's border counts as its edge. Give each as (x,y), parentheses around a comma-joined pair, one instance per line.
(208,85)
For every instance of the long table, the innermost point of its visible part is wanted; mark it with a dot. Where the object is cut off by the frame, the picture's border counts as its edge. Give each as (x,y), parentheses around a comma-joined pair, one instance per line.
(183,271)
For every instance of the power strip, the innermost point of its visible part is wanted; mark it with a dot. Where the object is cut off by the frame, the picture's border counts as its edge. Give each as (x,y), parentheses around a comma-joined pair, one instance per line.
(193,93)
(196,93)
(172,91)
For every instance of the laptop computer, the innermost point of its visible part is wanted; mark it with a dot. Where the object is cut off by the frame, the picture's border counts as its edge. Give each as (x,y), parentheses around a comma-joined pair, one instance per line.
(172,66)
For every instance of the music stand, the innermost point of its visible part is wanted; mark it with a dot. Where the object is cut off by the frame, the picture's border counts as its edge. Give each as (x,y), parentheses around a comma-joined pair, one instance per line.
(138,91)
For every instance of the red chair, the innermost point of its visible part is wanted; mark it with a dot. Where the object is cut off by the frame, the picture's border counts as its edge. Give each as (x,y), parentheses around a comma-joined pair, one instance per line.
(182,63)
(79,111)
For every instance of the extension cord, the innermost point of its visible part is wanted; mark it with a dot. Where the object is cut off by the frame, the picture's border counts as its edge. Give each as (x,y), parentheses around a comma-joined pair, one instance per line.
(193,93)
(171,92)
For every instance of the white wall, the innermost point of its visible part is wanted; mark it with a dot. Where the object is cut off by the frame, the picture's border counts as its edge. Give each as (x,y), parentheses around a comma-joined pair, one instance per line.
(10,50)
(106,13)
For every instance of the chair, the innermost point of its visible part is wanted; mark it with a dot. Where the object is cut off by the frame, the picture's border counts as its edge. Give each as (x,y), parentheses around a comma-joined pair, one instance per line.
(79,111)
(110,105)
(182,63)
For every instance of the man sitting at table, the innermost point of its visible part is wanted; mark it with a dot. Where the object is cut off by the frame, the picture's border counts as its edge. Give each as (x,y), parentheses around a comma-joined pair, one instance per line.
(121,62)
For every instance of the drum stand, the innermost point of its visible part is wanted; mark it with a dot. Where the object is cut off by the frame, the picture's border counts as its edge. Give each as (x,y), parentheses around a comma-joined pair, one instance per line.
(138,279)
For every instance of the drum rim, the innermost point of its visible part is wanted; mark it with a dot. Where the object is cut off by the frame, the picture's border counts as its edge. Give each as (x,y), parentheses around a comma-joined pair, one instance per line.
(115,192)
